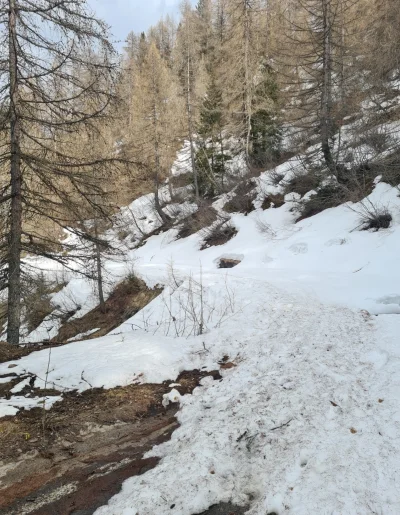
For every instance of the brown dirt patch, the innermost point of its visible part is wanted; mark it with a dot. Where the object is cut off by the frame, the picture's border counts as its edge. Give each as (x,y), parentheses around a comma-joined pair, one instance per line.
(11,352)
(226,509)
(273,200)
(77,457)
(218,235)
(205,215)
(129,297)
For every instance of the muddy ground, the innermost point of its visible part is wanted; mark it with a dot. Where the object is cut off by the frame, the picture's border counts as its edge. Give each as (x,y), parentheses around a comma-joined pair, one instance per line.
(72,459)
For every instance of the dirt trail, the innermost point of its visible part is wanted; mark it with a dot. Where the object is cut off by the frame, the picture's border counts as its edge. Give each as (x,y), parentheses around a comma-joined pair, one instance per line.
(89,445)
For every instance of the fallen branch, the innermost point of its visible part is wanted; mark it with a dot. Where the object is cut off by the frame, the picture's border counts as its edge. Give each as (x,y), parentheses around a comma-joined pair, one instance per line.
(283,425)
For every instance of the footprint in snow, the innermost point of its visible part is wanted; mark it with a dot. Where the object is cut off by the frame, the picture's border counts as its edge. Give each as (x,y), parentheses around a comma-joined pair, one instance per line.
(299,248)
(336,241)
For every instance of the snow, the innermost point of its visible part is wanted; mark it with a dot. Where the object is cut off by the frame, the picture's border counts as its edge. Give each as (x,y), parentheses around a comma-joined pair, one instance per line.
(307,419)
(81,336)
(110,361)
(171,397)
(16,403)
(297,425)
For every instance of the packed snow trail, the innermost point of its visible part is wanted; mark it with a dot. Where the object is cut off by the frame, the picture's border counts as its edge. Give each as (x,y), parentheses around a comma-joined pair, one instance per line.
(307,419)
(298,426)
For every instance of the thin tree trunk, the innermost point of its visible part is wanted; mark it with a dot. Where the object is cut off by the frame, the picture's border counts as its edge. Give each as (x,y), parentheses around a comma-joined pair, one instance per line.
(326,98)
(221,143)
(190,128)
(157,204)
(99,274)
(248,86)
(14,255)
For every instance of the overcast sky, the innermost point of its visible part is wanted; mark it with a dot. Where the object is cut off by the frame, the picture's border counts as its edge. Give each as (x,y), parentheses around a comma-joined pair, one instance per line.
(137,15)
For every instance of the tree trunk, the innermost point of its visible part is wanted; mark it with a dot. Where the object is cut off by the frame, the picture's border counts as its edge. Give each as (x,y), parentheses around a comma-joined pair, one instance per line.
(14,255)
(157,204)
(190,129)
(99,275)
(247,80)
(326,97)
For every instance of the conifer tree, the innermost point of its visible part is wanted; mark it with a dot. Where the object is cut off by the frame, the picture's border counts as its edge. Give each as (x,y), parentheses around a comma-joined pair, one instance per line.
(154,134)
(44,100)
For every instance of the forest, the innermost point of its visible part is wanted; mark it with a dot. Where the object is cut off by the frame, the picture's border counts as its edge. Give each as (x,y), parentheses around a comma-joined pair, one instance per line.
(246,83)
(199,241)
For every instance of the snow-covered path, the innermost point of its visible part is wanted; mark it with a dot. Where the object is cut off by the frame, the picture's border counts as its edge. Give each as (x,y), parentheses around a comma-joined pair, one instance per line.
(306,421)
(314,369)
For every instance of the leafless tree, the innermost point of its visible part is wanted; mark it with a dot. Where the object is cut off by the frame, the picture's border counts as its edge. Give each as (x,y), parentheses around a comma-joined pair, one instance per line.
(56,83)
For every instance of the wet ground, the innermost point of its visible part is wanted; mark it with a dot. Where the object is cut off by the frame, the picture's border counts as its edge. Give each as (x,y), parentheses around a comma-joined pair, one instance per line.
(73,459)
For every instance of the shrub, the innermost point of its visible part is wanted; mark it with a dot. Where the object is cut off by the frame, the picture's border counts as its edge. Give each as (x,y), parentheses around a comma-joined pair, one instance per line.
(358,180)
(328,196)
(389,168)
(275,177)
(303,183)
(218,234)
(377,140)
(373,216)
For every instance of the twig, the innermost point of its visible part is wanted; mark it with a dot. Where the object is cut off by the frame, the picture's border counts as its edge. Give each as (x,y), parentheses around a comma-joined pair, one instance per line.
(241,436)
(83,379)
(283,425)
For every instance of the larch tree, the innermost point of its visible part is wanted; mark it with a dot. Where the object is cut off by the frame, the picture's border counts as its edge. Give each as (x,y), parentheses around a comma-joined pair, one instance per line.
(155,132)
(44,100)
(244,52)
(320,39)
(188,66)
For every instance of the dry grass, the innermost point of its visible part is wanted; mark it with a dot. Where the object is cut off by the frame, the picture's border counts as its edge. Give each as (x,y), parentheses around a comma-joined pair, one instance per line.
(373,216)
(128,297)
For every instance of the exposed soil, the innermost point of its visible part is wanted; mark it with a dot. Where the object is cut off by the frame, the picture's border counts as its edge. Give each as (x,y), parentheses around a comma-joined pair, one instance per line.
(11,352)
(226,509)
(205,216)
(273,200)
(218,235)
(129,297)
(228,263)
(72,459)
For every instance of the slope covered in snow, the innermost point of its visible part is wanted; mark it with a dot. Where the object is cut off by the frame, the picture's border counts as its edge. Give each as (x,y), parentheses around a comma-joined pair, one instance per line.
(306,417)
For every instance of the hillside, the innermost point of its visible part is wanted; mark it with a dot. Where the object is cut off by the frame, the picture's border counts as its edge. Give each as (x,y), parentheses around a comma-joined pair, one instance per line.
(303,416)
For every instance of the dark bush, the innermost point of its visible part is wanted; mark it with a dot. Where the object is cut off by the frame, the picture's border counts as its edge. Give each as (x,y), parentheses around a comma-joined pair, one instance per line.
(358,180)
(373,217)
(303,183)
(328,196)
(377,222)
(218,234)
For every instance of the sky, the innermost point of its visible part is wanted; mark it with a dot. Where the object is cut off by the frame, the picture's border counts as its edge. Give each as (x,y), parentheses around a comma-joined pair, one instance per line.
(137,15)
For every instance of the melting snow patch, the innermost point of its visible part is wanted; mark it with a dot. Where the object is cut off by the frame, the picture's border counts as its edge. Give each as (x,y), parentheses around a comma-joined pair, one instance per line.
(9,407)
(171,397)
